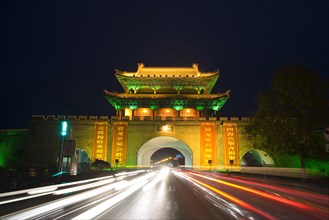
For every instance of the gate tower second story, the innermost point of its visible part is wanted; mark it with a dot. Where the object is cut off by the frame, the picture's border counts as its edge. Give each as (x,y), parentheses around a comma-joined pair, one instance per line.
(160,93)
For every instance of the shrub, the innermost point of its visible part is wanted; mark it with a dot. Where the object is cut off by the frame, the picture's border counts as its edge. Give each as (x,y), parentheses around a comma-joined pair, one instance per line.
(100,164)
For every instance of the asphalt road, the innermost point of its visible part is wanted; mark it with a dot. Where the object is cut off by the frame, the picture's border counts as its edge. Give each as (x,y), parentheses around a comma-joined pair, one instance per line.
(171,194)
(170,198)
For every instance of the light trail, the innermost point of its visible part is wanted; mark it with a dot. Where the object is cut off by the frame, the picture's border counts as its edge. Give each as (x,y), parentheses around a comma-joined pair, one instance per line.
(161,175)
(42,191)
(101,208)
(46,190)
(6,194)
(129,173)
(227,196)
(58,204)
(302,206)
(83,187)
(24,198)
(317,197)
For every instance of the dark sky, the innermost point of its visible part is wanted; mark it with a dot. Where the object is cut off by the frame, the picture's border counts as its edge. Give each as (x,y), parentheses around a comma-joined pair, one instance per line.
(58,56)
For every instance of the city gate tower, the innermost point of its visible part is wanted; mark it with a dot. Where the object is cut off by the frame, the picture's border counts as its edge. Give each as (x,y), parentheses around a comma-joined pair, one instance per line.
(170,107)
(160,108)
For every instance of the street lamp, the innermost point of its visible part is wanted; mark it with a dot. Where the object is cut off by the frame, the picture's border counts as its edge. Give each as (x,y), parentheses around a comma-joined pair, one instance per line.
(64,129)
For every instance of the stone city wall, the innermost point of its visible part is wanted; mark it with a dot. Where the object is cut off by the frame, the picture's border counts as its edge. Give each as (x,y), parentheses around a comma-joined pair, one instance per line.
(45,135)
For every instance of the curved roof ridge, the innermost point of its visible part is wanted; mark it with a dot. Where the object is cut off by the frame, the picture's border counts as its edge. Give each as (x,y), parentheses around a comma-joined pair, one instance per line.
(158,71)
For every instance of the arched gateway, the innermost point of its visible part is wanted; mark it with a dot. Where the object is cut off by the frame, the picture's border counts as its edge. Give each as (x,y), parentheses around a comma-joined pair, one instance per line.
(146,151)
(161,107)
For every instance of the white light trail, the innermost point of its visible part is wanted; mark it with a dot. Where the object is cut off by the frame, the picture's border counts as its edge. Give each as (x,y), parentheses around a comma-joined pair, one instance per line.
(46,190)
(161,175)
(101,208)
(129,173)
(24,198)
(6,194)
(60,203)
(42,190)
(79,188)
(42,209)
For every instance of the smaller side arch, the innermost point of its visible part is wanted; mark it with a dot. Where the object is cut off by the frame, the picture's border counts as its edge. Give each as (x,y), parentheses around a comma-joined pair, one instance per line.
(256,158)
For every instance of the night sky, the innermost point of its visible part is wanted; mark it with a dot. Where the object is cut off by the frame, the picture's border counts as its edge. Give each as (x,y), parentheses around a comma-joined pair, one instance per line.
(58,56)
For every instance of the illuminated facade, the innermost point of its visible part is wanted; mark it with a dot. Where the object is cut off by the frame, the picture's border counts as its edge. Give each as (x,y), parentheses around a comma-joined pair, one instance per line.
(153,92)
(160,108)
(178,97)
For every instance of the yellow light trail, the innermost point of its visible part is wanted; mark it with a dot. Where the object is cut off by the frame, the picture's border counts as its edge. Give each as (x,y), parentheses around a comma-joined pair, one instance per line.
(232,198)
(268,196)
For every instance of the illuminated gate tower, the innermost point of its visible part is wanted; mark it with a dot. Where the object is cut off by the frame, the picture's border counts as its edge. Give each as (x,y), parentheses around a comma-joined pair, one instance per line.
(170,102)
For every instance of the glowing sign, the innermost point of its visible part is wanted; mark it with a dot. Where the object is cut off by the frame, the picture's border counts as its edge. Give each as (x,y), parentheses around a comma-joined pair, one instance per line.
(231,144)
(100,141)
(64,127)
(119,142)
(208,143)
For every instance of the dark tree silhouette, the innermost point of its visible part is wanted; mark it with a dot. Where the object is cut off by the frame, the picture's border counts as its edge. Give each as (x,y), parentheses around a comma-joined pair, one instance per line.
(291,115)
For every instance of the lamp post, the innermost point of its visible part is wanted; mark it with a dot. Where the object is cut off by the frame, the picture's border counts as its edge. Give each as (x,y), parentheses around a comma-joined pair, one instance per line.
(209,163)
(116,164)
(64,129)
(231,163)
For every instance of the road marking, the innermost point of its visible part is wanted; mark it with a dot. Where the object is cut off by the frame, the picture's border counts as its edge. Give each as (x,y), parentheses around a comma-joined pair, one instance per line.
(172,206)
(172,188)
(168,205)
(176,207)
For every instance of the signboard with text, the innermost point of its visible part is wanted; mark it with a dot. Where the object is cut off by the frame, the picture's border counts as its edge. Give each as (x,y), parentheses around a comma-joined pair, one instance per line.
(231,144)
(100,141)
(208,144)
(119,143)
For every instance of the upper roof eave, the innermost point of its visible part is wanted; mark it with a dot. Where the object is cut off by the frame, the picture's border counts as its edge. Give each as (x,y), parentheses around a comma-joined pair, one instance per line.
(166,71)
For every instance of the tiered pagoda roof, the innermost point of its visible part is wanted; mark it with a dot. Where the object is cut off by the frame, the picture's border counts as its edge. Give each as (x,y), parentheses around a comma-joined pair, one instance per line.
(167,87)
(156,78)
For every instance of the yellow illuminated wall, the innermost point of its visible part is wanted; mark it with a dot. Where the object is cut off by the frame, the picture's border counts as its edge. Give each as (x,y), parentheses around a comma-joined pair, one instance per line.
(189,112)
(166,112)
(143,112)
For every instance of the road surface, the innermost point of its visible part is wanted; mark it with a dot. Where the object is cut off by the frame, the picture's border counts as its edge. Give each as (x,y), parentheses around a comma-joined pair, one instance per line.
(167,194)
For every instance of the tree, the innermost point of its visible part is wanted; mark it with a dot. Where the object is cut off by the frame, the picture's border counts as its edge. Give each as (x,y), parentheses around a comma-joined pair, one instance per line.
(290,116)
